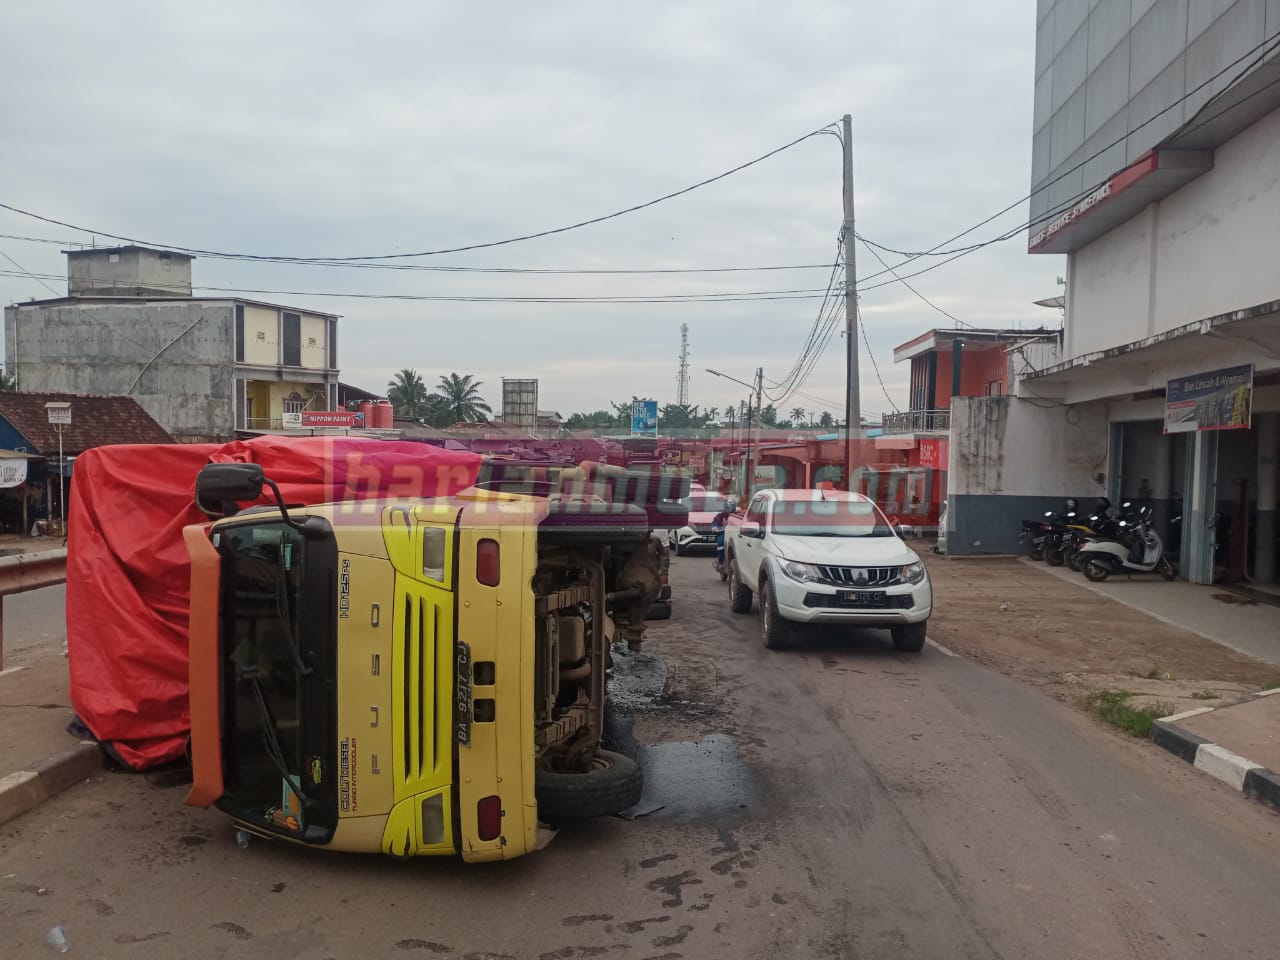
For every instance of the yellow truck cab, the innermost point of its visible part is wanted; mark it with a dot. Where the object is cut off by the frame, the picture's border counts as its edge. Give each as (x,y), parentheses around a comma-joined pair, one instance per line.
(418,676)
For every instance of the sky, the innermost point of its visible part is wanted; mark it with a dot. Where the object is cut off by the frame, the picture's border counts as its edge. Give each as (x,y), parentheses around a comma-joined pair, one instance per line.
(321,130)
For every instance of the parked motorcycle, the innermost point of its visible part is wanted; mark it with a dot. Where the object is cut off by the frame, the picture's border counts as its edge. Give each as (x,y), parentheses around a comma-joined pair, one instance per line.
(1136,548)
(1099,525)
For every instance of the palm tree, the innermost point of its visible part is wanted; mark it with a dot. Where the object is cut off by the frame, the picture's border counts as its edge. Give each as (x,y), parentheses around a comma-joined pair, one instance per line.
(797,416)
(408,394)
(713,414)
(459,398)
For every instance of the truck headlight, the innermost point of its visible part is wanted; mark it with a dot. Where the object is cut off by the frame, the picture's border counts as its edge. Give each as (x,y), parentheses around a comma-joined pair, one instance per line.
(803,572)
(911,573)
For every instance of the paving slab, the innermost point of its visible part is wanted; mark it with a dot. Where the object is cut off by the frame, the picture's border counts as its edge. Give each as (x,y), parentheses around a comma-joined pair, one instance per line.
(1249,729)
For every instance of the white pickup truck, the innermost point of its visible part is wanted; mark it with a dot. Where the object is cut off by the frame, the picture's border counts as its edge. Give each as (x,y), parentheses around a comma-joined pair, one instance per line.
(825,556)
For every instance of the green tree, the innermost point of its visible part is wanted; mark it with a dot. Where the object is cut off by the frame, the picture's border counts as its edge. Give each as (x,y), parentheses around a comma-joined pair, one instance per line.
(408,394)
(769,416)
(713,414)
(826,421)
(458,399)
(797,416)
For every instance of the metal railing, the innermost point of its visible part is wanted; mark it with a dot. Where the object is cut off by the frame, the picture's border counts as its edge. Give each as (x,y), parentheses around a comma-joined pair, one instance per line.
(29,571)
(916,421)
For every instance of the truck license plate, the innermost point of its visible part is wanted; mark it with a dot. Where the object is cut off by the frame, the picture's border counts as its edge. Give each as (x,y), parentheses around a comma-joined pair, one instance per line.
(462,693)
(862,598)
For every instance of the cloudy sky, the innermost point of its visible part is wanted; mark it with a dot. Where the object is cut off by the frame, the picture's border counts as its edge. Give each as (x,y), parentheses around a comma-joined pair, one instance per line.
(319,130)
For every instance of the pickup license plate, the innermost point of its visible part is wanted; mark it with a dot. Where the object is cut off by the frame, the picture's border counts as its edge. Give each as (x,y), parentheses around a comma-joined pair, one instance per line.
(862,598)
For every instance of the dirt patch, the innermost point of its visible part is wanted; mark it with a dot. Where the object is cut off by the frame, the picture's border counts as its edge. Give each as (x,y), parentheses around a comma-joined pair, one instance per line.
(1056,634)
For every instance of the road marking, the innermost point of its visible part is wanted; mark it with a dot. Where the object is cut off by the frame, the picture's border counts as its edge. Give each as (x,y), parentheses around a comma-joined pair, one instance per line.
(940,648)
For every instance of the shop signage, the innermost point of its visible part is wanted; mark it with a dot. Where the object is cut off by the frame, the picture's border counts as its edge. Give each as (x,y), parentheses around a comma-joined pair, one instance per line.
(13,472)
(935,453)
(644,418)
(1216,400)
(321,418)
(1067,217)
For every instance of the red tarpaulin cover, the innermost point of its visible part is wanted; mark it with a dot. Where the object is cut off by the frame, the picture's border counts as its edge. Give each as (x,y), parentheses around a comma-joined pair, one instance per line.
(128,574)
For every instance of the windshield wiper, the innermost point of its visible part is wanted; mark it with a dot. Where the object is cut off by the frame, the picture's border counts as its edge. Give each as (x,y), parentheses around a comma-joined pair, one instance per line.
(271,737)
(286,620)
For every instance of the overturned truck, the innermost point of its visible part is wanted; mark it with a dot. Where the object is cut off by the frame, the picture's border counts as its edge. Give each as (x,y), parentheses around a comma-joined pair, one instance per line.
(419,676)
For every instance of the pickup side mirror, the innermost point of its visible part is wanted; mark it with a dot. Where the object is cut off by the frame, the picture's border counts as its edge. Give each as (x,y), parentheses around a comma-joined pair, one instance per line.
(750,528)
(903,530)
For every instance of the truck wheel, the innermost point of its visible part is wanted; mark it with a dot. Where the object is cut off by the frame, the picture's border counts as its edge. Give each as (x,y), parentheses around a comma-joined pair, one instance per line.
(613,784)
(739,595)
(774,630)
(909,638)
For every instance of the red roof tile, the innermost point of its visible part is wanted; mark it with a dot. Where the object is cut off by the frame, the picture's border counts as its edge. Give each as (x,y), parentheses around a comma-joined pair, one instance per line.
(96,421)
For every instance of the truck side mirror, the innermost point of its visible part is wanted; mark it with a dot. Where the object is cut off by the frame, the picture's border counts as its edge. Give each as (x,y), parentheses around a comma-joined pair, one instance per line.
(219,483)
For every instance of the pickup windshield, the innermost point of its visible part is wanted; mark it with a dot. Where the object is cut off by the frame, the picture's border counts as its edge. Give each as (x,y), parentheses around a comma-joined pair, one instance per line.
(828,518)
(705,503)
(276,659)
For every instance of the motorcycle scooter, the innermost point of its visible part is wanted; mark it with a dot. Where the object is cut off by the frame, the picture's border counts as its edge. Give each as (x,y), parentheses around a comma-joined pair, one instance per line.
(1136,549)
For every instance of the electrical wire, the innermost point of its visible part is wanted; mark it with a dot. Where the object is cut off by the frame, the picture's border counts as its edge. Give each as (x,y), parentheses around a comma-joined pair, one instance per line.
(872,250)
(813,330)
(432,268)
(443,250)
(875,366)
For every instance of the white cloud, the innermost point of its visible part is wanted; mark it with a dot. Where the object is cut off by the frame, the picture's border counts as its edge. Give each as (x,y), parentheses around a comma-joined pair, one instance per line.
(314,129)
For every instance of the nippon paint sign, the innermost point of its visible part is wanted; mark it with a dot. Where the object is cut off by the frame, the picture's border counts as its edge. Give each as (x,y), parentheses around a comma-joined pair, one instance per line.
(322,418)
(1068,217)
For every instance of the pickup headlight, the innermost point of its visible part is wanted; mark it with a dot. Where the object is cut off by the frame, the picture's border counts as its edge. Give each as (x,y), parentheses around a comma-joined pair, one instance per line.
(802,572)
(911,573)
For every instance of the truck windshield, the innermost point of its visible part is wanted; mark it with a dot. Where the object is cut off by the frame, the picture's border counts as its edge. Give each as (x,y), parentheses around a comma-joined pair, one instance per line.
(828,518)
(277,656)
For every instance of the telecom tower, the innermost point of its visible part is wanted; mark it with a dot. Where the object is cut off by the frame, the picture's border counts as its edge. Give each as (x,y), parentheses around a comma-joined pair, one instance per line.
(682,379)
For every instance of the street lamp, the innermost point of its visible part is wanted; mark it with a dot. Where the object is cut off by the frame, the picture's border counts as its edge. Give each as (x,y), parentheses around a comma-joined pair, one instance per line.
(749,469)
(60,416)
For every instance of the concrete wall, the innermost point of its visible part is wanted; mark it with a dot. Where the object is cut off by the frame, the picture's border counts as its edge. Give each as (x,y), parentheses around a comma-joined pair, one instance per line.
(1105,67)
(1205,250)
(1013,458)
(102,348)
(134,272)
(315,338)
(261,336)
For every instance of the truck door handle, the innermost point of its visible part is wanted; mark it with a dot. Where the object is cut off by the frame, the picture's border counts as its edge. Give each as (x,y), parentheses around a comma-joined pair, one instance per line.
(374,721)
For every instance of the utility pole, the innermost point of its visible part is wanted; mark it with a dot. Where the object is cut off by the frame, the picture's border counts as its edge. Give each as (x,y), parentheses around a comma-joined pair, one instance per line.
(752,453)
(852,401)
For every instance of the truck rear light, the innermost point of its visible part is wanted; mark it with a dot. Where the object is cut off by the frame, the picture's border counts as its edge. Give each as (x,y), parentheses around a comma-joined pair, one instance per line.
(488,563)
(489,818)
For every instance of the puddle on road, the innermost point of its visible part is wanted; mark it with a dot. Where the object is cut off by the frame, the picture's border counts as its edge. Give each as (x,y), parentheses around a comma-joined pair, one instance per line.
(689,782)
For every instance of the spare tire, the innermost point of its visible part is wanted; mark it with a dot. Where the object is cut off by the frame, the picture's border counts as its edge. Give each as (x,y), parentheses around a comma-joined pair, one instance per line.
(613,784)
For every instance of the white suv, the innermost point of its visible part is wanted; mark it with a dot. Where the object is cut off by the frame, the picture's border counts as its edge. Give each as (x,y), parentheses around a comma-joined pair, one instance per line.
(826,556)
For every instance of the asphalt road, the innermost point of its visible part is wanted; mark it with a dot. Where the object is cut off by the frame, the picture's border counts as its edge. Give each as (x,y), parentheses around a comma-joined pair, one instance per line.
(835,800)
(34,624)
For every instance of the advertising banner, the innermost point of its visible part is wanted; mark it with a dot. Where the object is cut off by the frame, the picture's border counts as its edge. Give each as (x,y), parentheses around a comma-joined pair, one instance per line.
(13,472)
(935,453)
(323,418)
(644,418)
(1216,400)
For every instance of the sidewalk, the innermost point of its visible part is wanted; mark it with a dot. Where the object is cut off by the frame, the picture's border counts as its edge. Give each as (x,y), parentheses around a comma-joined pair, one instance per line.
(1250,628)
(1238,743)
(38,758)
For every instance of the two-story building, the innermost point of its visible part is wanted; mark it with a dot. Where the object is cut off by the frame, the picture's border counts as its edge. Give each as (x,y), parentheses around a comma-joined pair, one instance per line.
(206,368)
(1156,171)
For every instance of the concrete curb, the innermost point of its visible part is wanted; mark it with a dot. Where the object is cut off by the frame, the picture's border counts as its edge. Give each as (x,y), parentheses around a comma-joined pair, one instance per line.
(1252,779)
(27,789)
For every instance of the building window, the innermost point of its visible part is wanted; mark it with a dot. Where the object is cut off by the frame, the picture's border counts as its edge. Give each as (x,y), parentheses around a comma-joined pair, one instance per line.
(995,388)
(331,358)
(291,348)
(294,403)
(239,333)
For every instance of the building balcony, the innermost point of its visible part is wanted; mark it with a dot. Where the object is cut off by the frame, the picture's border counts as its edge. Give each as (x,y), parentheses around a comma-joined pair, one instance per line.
(916,421)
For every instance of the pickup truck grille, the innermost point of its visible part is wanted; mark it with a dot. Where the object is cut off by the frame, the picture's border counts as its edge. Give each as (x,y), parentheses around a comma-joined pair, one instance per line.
(859,576)
(702,528)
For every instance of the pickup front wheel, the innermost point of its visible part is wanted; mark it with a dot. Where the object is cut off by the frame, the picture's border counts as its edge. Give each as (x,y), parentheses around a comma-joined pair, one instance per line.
(739,595)
(774,630)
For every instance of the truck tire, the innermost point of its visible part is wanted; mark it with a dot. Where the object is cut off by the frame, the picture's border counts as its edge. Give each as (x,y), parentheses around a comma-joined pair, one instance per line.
(613,784)
(775,631)
(909,637)
(739,595)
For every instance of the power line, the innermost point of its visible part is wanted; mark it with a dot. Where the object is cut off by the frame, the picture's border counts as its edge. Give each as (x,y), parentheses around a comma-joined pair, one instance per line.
(432,268)
(811,293)
(432,253)
(872,250)
(964,251)
(874,366)
(822,307)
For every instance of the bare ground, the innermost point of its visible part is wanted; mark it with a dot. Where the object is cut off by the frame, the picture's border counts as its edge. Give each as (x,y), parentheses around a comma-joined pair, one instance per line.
(1063,637)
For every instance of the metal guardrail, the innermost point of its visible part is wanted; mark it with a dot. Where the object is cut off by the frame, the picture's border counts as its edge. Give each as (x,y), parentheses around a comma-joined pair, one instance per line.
(916,421)
(29,571)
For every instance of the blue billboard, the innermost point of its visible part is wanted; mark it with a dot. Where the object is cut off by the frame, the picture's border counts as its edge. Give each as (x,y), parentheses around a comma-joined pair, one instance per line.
(644,418)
